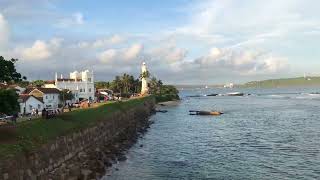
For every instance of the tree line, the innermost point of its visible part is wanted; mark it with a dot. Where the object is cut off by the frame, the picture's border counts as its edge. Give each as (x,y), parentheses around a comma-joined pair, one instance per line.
(127,85)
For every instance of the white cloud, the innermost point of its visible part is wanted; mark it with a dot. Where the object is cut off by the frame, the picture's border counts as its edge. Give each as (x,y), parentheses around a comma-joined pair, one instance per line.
(38,51)
(108,56)
(4,31)
(169,54)
(121,56)
(115,39)
(133,51)
(78,18)
(244,62)
(74,19)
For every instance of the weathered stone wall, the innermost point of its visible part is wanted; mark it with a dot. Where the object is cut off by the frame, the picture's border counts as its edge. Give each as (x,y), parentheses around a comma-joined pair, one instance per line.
(78,155)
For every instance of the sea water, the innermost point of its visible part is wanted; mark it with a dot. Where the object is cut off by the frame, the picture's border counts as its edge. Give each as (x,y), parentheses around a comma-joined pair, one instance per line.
(269,134)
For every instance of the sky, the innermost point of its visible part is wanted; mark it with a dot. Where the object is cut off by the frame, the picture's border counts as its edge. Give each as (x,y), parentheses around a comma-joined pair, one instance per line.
(182,41)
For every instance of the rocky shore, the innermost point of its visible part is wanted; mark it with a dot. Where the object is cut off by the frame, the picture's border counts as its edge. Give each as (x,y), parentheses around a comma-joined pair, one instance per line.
(94,163)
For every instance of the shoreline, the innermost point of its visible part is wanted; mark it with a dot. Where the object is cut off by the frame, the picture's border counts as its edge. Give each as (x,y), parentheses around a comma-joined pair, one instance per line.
(169,103)
(99,162)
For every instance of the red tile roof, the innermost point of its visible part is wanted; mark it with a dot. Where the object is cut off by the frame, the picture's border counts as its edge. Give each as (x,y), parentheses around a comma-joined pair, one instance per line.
(43,90)
(25,97)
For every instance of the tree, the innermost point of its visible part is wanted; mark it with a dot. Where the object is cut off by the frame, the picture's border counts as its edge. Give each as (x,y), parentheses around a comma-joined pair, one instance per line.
(145,74)
(65,95)
(116,85)
(8,72)
(153,85)
(102,85)
(9,101)
(38,83)
(126,83)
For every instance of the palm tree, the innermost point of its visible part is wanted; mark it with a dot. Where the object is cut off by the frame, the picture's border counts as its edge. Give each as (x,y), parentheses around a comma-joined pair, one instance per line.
(126,82)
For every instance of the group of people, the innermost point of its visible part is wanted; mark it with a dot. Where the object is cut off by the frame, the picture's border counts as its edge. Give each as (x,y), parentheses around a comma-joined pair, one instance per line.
(50,113)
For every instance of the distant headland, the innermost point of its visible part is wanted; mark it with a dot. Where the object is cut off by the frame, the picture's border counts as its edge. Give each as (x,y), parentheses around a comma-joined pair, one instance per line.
(306,81)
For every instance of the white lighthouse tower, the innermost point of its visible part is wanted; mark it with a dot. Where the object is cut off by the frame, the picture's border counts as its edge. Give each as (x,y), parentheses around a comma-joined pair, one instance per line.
(144,79)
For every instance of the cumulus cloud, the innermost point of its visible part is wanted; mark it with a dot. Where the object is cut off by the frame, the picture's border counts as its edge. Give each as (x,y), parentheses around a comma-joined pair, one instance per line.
(169,54)
(126,55)
(115,39)
(244,62)
(133,51)
(108,55)
(40,50)
(4,31)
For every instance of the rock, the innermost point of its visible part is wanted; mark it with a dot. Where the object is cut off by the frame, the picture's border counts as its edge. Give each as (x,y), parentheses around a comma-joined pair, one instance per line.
(122,157)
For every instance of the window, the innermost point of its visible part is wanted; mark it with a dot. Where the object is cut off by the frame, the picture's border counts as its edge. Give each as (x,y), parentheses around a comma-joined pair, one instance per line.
(89,89)
(53,97)
(46,97)
(39,106)
(84,90)
(80,90)
(89,79)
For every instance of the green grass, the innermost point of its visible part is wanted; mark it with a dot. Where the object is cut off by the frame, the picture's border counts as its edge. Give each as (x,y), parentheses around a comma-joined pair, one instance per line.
(289,82)
(28,135)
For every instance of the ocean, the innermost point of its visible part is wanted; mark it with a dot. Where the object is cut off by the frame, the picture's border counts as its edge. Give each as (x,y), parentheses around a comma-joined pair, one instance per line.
(269,134)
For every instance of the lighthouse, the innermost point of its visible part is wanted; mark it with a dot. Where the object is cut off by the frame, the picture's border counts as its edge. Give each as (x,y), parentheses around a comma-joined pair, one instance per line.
(144,79)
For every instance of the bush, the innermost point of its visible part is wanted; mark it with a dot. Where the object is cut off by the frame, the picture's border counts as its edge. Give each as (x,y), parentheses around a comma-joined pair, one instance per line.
(8,101)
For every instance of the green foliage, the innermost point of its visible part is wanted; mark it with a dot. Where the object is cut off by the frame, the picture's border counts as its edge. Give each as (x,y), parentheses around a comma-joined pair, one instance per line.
(32,134)
(102,85)
(289,82)
(8,101)
(23,84)
(8,72)
(167,93)
(65,95)
(125,85)
(38,83)
(145,74)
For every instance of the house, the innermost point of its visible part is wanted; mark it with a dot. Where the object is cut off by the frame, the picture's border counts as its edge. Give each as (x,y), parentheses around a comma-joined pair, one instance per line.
(29,102)
(49,96)
(17,88)
(80,83)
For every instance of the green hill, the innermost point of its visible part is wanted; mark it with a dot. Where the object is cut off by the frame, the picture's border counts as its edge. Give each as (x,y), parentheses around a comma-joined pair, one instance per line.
(286,82)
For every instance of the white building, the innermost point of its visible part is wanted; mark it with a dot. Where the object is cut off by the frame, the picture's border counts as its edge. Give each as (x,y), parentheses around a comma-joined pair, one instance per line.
(29,102)
(49,96)
(144,88)
(80,83)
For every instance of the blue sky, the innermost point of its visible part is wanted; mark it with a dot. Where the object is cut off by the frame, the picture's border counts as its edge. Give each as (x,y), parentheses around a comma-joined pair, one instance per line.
(182,41)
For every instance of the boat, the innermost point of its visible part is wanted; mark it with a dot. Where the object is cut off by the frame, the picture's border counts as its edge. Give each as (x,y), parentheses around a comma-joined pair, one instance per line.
(235,94)
(212,113)
(212,94)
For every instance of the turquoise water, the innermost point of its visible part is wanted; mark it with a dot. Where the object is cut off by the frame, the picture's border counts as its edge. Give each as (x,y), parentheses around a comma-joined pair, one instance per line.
(271,134)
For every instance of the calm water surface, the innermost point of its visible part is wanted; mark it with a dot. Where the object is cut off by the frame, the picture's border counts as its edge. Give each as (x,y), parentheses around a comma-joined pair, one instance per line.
(271,134)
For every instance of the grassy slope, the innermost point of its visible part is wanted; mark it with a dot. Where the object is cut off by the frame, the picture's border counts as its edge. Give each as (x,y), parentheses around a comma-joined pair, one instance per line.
(289,82)
(31,134)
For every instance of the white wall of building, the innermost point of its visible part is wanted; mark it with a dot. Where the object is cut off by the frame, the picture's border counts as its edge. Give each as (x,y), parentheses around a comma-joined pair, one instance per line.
(82,84)
(51,101)
(30,104)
